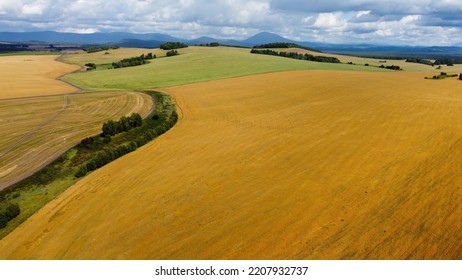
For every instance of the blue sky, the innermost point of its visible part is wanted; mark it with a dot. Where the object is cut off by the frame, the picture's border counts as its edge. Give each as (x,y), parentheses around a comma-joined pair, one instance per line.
(398,22)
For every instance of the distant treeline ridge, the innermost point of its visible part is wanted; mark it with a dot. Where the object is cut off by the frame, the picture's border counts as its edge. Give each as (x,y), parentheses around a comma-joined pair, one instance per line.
(299,56)
(99,48)
(282,45)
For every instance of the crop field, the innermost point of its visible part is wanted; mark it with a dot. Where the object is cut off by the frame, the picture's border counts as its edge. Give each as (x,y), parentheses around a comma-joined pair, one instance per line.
(33,75)
(194,64)
(107,57)
(33,131)
(286,165)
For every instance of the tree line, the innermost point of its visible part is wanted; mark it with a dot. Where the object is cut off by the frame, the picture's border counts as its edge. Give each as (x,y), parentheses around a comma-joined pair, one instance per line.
(283,45)
(173,45)
(212,44)
(299,56)
(391,67)
(122,125)
(448,61)
(99,48)
(97,151)
(419,60)
(134,61)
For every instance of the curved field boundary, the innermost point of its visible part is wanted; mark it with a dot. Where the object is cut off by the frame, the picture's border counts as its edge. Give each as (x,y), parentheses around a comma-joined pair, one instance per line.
(80,116)
(33,193)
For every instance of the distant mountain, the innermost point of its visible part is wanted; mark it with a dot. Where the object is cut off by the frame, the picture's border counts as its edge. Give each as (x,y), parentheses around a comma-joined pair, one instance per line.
(264,38)
(135,43)
(76,38)
(203,40)
(153,40)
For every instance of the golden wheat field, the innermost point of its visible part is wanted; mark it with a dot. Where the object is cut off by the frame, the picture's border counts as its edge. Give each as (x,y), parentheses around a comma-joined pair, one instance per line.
(33,75)
(292,165)
(34,131)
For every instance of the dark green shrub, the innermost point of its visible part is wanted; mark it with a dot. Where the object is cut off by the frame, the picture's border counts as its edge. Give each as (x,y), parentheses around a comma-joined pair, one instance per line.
(82,171)
(3,221)
(12,211)
(172,53)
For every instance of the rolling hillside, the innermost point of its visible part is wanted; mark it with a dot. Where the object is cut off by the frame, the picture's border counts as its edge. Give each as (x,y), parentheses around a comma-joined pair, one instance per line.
(194,64)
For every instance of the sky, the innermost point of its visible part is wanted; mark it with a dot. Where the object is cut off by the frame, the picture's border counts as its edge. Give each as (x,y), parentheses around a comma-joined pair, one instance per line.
(391,22)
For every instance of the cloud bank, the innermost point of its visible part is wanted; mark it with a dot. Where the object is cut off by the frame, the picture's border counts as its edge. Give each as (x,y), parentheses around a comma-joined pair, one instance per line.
(411,22)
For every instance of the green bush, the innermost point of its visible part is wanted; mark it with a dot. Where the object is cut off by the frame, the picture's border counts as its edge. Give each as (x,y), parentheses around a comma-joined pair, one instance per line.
(3,221)
(82,171)
(11,212)
(172,53)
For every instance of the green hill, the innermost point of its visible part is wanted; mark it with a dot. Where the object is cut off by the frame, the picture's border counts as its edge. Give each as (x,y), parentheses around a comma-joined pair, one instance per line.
(194,64)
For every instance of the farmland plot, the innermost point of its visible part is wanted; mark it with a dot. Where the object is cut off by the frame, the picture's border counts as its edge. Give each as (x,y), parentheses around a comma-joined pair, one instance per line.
(293,165)
(34,131)
(33,75)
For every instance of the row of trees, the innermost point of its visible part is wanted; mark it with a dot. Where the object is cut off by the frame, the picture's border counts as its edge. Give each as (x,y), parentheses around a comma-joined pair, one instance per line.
(449,61)
(122,125)
(419,60)
(10,212)
(134,61)
(443,75)
(391,67)
(283,45)
(212,44)
(99,48)
(144,134)
(295,55)
(173,45)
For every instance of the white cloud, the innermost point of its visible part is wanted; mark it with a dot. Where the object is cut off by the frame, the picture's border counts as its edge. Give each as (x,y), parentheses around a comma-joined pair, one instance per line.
(308,19)
(34,9)
(330,21)
(362,13)
(79,30)
(340,21)
(410,19)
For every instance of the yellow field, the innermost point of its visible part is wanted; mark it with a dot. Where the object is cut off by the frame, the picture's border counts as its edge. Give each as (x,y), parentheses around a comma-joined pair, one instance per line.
(276,166)
(33,75)
(33,131)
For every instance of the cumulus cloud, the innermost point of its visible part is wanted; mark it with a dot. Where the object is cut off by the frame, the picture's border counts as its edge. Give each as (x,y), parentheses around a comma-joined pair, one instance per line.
(330,21)
(341,21)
